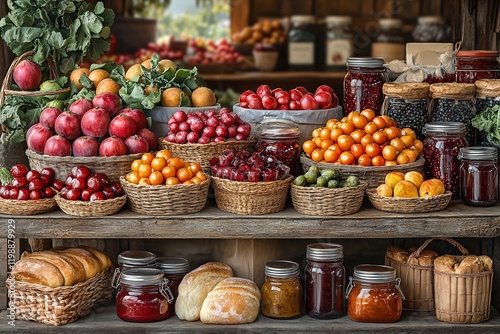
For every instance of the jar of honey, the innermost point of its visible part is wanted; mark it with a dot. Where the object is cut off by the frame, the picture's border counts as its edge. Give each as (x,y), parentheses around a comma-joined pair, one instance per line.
(374,294)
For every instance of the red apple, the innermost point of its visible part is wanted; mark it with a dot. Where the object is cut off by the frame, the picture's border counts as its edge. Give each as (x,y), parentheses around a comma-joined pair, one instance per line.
(57,146)
(27,75)
(307,102)
(295,95)
(323,98)
(95,122)
(108,101)
(112,146)
(48,116)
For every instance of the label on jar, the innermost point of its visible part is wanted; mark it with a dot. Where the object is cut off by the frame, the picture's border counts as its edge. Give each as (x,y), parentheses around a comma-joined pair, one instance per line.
(301,53)
(337,51)
(388,51)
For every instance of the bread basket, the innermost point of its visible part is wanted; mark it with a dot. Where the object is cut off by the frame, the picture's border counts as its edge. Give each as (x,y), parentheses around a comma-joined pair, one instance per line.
(97,208)
(27,208)
(408,205)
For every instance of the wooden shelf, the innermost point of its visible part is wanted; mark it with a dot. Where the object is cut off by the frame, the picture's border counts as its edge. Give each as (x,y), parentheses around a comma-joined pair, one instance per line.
(274,75)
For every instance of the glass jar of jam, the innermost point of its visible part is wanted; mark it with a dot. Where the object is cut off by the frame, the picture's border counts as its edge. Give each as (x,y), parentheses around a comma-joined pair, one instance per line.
(174,268)
(143,295)
(280,138)
(339,42)
(374,294)
(281,291)
(363,84)
(133,259)
(324,281)
(302,43)
(442,144)
(478,176)
(476,64)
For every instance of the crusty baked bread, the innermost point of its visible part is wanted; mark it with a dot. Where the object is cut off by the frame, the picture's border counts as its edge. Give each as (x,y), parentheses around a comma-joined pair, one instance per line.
(90,262)
(468,264)
(426,258)
(37,271)
(233,301)
(397,254)
(103,258)
(445,263)
(80,270)
(195,286)
(66,268)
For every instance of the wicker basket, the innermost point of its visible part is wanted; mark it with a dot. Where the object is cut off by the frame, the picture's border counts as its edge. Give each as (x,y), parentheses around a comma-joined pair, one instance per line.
(417,282)
(61,305)
(328,201)
(408,205)
(27,208)
(163,200)
(251,198)
(113,167)
(374,175)
(202,153)
(91,208)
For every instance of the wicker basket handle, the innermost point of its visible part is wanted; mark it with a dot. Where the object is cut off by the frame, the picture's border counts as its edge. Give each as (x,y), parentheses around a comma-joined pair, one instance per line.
(7,80)
(417,253)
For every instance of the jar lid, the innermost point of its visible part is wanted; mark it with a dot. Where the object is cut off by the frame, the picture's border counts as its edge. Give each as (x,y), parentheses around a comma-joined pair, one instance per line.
(430,20)
(487,88)
(409,90)
(478,53)
(461,91)
(282,269)
(303,18)
(373,273)
(325,252)
(172,265)
(278,129)
(444,127)
(370,62)
(141,276)
(136,257)
(390,23)
(334,19)
(478,153)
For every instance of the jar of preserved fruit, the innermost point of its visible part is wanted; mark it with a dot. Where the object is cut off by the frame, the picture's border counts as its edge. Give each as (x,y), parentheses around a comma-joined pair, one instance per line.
(363,84)
(280,138)
(430,29)
(454,102)
(339,42)
(302,43)
(390,44)
(476,64)
(374,294)
(281,291)
(478,176)
(442,144)
(407,104)
(143,295)
(325,281)
(174,269)
(133,259)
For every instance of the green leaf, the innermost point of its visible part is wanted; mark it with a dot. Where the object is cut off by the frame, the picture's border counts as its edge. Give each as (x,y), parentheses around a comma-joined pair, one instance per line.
(99,8)
(16,136)
(67,64)
(85,81)
(108,17)
(185,101)
(181,75)
(97,48)
(150,101)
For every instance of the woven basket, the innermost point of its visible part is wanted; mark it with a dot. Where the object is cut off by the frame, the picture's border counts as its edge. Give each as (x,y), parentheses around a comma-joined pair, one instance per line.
(163,200)
(27,208)
(328,201)
(373,175)
(408,205)
(113,167)
(251,198)
(202,153)
(61,305)
(417,282)
(91,208)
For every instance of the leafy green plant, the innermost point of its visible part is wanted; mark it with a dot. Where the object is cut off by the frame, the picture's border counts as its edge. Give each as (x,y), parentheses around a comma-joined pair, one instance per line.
(489,122)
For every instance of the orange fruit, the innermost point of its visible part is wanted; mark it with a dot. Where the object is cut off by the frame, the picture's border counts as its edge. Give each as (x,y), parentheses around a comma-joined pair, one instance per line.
(389,152)
(147,64)
(135,165)
(164,153)
(308,146)
(144,170)
(144,182)
(346,158)
(372,150)
(156,178)
(402,159)
(326,143)
(158,163)
(335,133)
(184,174)
(367,139)
(357,150)
(171,181)
(177,163)
(318,155)
(147,158)
(133,177)
(107,85)
(379,137)
(379,121)
(347,127)
(331,155)
(390,163)
(345,142)
(398,144)
(353,114)
(98,75)
(407,140)
(194,167)
(133,71)
(188,182)
(411,154)
(389,121)
(168,171)
(378,160)
(418,145)
(409,132)
(150,89)
(201,175)
(324,134)
(330,124)
(196,179)
(359,121)
(77,74)
(369,114)
(318,141)
(356,135)
(392,132)
(370,128)
(316,132)
(365,160)
(164,64)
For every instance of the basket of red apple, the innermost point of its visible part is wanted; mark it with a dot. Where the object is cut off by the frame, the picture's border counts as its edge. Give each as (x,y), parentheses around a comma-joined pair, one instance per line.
(96,133)
(28,192)
(90,194)
(201,136)
(250,183)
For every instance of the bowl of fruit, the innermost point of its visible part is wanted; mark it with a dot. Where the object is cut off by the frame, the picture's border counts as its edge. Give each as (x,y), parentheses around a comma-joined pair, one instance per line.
(90,194)
(28,192)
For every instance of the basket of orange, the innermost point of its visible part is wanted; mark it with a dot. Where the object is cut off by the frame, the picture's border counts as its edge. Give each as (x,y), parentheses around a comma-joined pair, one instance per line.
(158,184)
(365,145)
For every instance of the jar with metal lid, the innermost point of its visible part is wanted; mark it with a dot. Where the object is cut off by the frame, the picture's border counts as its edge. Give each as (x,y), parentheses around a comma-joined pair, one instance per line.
(174,269)
(363,84)
(476,64)
(143,295)
(133,259)
(390,44)
(302,43)
(339,42)
(478,175)
(281,291)
(430,29)
(442,143)
(454,102)
(324,281)
(407,104)
(280,138)
(374,294)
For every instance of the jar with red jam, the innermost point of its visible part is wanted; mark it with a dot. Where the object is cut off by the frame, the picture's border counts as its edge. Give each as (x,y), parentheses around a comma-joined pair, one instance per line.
(478,176)
(363,84)
(143,295)
(472,65)
(133,259)
(442,143)
(174,268)
(324,281)
(280,138)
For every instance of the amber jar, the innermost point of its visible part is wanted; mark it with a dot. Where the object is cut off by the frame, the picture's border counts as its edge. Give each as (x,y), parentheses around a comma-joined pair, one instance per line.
(374,294)
(143,296)
(174,269)
(476,64)
(478,176)
(324,281)
(281,291)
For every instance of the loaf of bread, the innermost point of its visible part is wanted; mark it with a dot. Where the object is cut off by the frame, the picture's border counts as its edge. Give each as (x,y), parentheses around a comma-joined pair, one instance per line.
(467,264)
(195,287)
(60,267)
(233,301)
(426,258)
(397,254)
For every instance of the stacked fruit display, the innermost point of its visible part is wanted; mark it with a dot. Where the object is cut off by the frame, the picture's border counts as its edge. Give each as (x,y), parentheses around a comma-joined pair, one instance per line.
(84,185)
(266,31)
(23,184)
(408,185)
(364,139)
(295,99)
(210,52)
